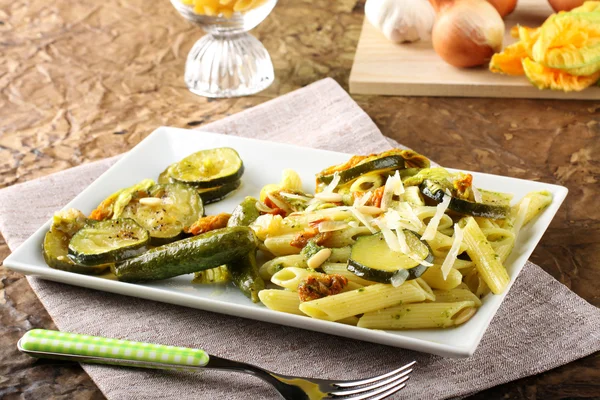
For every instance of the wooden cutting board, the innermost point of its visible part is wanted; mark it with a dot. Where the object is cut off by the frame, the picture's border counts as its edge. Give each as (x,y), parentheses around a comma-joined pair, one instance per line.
(383,67)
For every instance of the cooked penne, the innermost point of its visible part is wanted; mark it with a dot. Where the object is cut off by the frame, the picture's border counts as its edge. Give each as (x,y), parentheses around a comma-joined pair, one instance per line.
(420,283)
(290,277)
(458,263)
(476,284)
(378,226)
(419,316)
(434,278)
(280,245)
(456,295)
(349,321)
(268,269)
(366,299)
(281,300)
(485,259)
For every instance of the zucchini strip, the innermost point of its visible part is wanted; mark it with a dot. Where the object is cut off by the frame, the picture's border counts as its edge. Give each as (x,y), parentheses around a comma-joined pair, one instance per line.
(197,253)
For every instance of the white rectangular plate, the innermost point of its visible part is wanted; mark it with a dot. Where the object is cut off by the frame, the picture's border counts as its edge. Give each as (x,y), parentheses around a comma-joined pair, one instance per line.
(264,162)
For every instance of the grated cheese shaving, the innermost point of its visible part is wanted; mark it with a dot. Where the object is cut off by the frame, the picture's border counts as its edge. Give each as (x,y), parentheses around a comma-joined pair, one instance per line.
(366,221)
(415,257)
(407,213)
(390,239)
(433,224)
(279,203)
(362,200)
(333,184)
(393,187)
(477,195)
(518,224)
(330,226)
(329,197)
(399,277)
(453,253)
(260,206)
(388,193)
(399,186)
(402,241)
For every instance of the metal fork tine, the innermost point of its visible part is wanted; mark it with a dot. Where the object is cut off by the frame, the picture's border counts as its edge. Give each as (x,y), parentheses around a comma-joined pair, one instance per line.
(367,388)
(389,392)
(391,387)
(373,379)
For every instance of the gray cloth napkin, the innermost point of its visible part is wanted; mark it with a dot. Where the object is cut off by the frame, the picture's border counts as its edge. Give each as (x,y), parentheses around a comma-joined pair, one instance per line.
(540,326)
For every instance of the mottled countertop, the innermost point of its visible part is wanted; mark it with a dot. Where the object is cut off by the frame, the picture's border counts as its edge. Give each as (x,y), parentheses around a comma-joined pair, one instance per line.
(84,80)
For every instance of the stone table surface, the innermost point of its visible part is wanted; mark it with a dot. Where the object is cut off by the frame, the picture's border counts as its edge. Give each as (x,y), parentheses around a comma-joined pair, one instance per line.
(84,80)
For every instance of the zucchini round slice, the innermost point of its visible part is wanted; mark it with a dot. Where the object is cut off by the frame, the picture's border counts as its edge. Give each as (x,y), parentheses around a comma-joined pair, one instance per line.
(56,255)
(432,191)
(108,241)
(208,168)
(379,165)
(212,195)
(168,209)
(372,259)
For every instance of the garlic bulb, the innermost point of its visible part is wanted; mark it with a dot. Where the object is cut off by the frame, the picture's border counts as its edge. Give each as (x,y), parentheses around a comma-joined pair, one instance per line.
(401,20)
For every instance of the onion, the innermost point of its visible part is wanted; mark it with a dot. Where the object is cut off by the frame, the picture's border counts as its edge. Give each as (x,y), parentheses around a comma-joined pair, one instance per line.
(565,5)
(467,32)
(504,7)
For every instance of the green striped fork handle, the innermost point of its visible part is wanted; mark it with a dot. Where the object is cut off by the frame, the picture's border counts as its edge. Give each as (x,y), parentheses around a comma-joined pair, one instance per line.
(44,343)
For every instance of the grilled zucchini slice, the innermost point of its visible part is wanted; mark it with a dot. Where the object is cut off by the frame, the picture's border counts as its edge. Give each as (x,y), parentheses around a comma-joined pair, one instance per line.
(167,210)
(372,259)
(108,241)
(395,159)
(433,191)
(56,255)
(208,168)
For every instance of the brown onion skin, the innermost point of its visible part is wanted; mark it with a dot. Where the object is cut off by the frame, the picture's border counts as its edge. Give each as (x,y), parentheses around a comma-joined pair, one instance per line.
(565,5)
(504,7)
(459,52)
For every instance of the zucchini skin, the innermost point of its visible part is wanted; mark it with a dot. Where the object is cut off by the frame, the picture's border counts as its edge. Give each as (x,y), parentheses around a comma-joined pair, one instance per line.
(245,213)
(244,271)
(379,164)
(213,195)
(245,276)
(197,253)
(55,252)
(467,207)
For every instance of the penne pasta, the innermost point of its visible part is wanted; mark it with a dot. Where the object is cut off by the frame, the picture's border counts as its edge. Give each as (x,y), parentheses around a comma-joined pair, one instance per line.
(456,295)
(280,245)
(434,278)
(419,316)
(485,259)
(366,299)
(281,300)
(289,278)
(404,251)
(268,269)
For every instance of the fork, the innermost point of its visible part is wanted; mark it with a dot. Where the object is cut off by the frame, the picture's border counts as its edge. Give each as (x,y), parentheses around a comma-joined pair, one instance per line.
(42,343)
